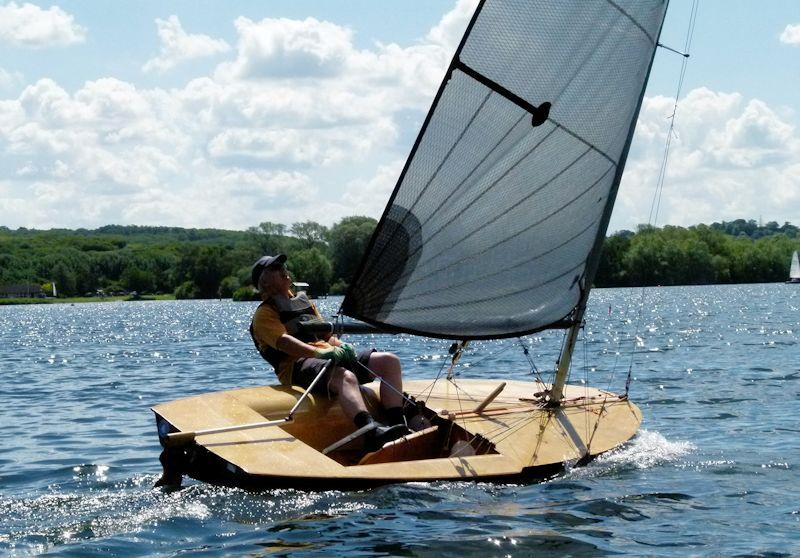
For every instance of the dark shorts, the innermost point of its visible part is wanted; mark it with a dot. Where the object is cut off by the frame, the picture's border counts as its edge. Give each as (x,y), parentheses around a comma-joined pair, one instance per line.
(306,369)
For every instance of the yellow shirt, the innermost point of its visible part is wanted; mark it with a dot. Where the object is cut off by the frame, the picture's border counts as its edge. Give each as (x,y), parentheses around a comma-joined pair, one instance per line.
(268,328)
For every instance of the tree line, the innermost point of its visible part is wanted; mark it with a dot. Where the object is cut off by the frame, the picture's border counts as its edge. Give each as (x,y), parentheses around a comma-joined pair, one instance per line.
(729,252)
(212,263)
(191,263)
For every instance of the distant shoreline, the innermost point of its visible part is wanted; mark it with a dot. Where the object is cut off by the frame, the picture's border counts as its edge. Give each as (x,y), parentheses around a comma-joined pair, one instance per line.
(82,299)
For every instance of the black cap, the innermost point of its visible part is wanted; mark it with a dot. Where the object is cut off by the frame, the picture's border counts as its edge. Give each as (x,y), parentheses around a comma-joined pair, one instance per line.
(263,263)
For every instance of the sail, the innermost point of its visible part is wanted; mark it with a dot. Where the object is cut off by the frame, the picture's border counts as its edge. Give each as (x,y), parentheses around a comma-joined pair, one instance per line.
(794,271)
(495,224)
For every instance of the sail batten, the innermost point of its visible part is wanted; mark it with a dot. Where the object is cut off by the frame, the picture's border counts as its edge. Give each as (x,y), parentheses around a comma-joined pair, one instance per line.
(493,227)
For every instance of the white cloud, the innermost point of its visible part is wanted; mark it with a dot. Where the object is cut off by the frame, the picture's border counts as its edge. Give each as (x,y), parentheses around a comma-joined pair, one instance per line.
(369,197)
(177,46)
(9,80)
(301,124)
(791,35)
(450,29)
(320,147)
(287,48)
(731,158)
(30,26)
(291,128)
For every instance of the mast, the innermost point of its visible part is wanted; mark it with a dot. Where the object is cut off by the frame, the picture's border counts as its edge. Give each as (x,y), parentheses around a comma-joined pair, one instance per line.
(565,359)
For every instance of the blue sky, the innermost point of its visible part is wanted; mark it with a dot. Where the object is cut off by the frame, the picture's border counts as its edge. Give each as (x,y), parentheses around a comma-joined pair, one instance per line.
(227,114)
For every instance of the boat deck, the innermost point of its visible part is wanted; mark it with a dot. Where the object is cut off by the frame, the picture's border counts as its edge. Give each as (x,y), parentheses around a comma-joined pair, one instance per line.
(513,434)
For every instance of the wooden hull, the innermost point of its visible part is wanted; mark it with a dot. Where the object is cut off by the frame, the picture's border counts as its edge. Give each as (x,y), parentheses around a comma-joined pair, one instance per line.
(514,438)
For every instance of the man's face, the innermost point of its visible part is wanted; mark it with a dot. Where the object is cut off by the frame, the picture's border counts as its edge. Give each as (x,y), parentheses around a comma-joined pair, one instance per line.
(276,279)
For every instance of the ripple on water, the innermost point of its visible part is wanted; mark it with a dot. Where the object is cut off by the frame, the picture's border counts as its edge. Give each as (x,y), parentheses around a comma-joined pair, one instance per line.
(79,454)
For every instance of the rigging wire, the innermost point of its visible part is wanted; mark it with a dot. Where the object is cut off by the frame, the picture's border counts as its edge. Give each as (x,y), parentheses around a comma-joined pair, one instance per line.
(656,203)
(526,352)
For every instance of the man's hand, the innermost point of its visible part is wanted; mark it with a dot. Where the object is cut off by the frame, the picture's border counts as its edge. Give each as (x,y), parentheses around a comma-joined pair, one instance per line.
(343,355)
(350,352)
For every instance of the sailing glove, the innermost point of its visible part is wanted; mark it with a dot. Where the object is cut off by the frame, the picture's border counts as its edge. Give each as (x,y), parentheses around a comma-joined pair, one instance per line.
(343,355)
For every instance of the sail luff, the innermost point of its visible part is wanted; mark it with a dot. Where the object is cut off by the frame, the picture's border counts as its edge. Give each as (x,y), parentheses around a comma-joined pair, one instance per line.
(593,261)
(448,73)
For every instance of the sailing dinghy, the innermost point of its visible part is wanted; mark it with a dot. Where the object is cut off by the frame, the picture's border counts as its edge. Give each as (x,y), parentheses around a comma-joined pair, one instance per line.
(794,270)
(494,230)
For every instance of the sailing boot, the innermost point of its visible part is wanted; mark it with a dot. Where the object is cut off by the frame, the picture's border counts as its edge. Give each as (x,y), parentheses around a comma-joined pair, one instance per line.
(381,434)
(415,419)
(395,415)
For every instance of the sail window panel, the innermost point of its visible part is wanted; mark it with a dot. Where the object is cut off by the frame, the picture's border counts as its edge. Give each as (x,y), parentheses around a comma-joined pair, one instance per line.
(592,75)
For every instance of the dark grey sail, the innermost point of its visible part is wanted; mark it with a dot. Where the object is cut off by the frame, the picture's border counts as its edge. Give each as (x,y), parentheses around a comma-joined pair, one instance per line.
(494,227)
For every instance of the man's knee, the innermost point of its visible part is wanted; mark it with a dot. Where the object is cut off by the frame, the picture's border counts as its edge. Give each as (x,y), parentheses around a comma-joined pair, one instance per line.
(384,361)
(343,376)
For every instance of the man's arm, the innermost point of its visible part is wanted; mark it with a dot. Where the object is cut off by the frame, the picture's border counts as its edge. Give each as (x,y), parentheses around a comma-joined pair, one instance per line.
(294,347)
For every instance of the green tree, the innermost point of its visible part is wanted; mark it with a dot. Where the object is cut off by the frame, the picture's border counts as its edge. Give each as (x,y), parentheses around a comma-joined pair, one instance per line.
(64,279)
(310,234)
(228,286)
(611,268)
(313,267)
(348,242)
(269,238)
(205,267)
(135,278)
(187,290)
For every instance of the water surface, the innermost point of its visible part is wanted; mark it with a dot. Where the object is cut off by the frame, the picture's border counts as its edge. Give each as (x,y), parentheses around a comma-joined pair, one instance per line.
(713,472)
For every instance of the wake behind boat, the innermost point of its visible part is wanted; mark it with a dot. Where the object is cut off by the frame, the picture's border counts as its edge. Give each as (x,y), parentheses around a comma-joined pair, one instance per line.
(494,230)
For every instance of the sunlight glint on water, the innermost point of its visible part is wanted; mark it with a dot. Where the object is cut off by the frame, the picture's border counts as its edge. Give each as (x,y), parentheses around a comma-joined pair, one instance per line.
(712,471)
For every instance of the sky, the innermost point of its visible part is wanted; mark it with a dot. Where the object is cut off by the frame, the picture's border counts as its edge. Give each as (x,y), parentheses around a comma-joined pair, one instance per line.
(228,114)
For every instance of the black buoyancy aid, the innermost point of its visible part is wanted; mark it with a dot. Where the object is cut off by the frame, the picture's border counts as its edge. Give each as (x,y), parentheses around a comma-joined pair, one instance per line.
(291,312)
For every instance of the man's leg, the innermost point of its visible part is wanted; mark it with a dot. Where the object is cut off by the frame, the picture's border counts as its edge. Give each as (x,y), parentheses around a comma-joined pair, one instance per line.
(387,366)
(344,385)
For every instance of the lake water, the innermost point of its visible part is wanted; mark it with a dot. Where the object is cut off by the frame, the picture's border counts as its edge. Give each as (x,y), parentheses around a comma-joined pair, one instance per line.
(713,472)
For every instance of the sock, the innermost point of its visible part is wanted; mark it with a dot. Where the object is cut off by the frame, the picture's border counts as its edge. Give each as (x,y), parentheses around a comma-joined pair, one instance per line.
(395,416)
(362,419)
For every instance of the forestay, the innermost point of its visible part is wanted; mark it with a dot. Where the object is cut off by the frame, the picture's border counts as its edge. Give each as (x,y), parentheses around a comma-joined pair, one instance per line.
(495,225)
